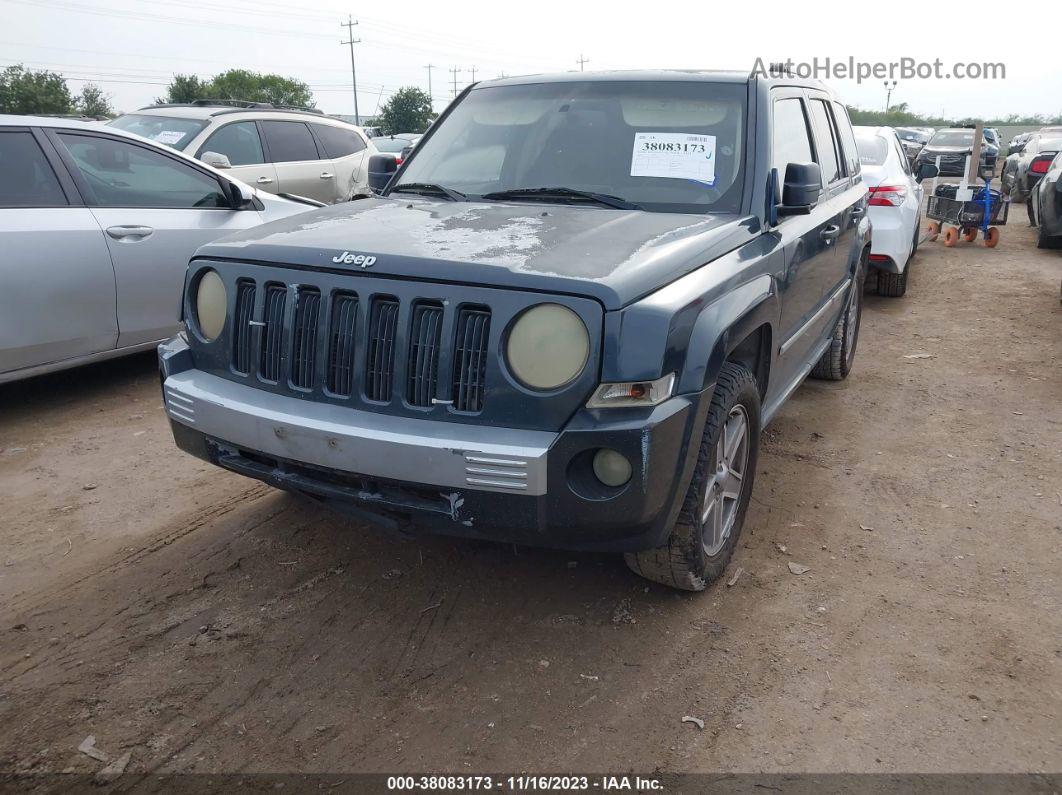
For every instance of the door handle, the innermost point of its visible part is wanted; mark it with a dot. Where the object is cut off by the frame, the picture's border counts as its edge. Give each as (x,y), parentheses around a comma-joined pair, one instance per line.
(831,232)
(129,232)
(264,181)
(326,175)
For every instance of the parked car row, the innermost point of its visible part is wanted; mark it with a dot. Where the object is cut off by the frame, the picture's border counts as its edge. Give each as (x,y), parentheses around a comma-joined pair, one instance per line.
(97,227)
(1023,169)
(952,147)
(280,150)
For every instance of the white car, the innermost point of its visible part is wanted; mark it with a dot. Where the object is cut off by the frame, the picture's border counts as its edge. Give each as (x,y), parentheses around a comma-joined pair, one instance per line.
(96,228)
(277,149)
(895,203)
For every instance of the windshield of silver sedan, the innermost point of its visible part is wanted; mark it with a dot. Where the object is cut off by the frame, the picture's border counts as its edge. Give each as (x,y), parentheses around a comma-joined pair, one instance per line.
(653,145)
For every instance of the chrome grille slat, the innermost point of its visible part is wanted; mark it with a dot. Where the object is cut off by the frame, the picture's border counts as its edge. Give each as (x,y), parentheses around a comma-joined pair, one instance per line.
(304,337)
(341,347)
(241,327)
(383,325)
(424,341)
(273,332)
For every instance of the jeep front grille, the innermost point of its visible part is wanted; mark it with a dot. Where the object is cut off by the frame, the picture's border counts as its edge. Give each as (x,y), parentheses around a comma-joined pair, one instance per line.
(304,337)
(424,344)
(470,367)
(380,362)
(341,345)
(242,338)
(272,332)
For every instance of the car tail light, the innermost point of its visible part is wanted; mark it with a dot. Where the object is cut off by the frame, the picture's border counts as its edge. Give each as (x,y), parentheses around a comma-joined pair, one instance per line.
(1041,164)
(887,196)
(398,160)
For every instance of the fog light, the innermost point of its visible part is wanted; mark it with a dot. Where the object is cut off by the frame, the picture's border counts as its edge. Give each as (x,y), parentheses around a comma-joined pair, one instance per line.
(611,468)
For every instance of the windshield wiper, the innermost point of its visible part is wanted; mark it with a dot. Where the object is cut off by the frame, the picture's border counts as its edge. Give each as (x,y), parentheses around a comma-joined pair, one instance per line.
(563,193)
(429,189)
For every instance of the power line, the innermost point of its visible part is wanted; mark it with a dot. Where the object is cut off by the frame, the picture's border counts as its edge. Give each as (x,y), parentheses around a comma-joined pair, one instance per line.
(473,70)
(582,61)
(454,72)
(349,25)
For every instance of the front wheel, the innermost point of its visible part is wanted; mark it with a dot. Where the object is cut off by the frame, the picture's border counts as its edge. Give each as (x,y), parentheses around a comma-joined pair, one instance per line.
(836,362)
(705,534)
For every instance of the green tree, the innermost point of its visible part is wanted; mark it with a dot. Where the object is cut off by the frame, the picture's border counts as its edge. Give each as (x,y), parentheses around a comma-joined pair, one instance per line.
(93,101)
(24,90)
(184,88)
(408,110)
(255,87)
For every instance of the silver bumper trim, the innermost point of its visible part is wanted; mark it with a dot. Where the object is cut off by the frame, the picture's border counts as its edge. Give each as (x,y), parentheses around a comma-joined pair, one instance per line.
(444,454)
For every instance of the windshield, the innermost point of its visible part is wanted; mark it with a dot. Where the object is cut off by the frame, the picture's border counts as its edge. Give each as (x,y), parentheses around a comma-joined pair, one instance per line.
(953,138)
(664,146)
(873,149)
(912,135)
(389,144)
(175,132)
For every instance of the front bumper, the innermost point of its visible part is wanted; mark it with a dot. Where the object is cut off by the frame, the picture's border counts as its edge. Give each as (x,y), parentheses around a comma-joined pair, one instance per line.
(504,484)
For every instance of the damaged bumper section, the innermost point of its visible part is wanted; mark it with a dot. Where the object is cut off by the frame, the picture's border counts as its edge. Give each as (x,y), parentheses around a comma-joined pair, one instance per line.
(504,484)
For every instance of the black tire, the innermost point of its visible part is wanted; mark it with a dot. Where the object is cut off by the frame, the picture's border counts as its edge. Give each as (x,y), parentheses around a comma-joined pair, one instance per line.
(836,362)
(893,285)
(684,562)
(1029,210)
(1047,241)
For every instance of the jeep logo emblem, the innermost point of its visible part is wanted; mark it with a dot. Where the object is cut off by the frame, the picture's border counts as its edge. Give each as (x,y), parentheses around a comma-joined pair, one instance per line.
(361,260)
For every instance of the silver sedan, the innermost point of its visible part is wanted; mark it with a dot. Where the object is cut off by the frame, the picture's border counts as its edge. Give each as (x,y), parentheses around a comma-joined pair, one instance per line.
(96,230)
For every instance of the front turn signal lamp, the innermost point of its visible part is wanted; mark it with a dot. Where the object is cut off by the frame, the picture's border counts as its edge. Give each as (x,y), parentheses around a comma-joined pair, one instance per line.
(632,393)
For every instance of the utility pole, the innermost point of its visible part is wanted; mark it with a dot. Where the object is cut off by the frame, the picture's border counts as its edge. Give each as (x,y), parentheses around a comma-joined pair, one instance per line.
(473,74)
(582,61)
(431,96)
(888,93)
(349,25)
(454,72)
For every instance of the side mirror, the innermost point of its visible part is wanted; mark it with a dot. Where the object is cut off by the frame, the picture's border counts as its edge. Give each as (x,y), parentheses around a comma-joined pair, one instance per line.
(381,169)
(926,171)
(240,195)
(800,189)
(215,160)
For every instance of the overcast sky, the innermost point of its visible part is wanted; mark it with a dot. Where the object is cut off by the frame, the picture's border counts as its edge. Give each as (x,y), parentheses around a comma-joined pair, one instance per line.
(131,49)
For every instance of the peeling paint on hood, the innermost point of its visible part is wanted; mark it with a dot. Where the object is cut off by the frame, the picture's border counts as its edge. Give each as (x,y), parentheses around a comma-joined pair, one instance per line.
(613,255)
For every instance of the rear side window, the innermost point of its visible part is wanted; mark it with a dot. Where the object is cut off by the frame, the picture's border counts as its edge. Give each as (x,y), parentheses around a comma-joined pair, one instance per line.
(26,177)
(851,151)
(791,143)
(825,143)
(124,174)
(338,141)
(873,149)
(289,141)
(239,142)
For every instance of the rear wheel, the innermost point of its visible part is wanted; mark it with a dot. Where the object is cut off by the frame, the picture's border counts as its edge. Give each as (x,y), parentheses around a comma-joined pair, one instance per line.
(704,537)
(1047,241)
(892,285)
(836,362)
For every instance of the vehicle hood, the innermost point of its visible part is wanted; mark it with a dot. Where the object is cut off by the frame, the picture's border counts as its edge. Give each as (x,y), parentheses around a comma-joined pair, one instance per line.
(946,150)
(615,256)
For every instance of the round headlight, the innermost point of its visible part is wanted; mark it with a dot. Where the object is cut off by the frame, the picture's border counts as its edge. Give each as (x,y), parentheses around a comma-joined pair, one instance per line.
(548,346)
(210,304)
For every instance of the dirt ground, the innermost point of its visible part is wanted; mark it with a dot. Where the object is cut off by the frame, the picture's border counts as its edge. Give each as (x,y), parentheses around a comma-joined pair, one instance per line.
(207,623)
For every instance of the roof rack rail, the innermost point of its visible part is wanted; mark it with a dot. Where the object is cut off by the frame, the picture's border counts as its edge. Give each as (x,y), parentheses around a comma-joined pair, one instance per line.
(235,104)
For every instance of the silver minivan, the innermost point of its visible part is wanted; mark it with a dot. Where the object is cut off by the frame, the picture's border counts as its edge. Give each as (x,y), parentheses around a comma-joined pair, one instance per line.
(279,150)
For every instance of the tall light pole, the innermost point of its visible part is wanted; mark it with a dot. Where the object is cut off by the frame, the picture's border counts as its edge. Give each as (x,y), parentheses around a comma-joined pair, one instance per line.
(888,93)
(582,61)
(349,25)
(455,72)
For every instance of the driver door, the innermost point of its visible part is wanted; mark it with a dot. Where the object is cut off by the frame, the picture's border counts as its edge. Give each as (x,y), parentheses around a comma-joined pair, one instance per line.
(155,210)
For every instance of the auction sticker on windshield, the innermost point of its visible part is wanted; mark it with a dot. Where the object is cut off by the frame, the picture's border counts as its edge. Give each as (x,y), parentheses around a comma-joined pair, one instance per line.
(674,155)
(169,136)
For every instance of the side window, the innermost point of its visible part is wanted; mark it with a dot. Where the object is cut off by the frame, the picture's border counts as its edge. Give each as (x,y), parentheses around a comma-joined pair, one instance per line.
(289,141)
(338,141)
(26,177)
(904,163)
(790,141)
(824,142)
(844,126)
(121,174)
(239,142)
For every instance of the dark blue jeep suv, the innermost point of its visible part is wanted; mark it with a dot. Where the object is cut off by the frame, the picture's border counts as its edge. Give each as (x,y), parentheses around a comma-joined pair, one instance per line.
(563,321)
